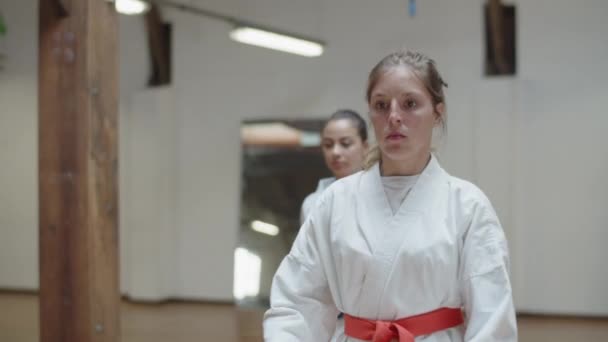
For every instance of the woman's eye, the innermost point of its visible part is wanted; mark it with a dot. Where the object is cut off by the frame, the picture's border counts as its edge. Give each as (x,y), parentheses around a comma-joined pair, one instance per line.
(410,104)
(380,105)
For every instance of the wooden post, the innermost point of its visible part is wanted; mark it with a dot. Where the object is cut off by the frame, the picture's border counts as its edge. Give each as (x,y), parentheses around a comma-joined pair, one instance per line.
(159,50)
(78,185)
(498,41)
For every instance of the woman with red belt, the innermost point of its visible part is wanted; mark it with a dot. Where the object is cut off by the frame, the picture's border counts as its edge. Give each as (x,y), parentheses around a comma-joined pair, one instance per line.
(406,251)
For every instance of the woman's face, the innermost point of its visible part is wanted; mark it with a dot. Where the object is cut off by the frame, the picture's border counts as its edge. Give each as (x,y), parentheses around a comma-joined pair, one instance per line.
(403,116)
(343,149)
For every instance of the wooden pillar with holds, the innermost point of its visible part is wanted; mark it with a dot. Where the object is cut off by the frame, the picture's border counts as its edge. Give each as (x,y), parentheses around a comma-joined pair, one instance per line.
(78,171)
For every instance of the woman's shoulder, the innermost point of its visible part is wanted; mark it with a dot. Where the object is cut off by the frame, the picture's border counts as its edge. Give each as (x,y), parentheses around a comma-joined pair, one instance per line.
(310,199)
(336,192)
(346,185)
(468,195)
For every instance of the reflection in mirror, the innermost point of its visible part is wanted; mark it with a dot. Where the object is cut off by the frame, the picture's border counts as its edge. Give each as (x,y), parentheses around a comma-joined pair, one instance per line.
(281,164)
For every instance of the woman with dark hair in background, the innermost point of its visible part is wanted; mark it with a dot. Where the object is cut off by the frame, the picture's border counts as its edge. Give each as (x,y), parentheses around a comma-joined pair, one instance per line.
(344,145)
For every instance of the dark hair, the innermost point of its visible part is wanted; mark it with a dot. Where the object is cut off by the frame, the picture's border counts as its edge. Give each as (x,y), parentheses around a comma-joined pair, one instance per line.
(353,116)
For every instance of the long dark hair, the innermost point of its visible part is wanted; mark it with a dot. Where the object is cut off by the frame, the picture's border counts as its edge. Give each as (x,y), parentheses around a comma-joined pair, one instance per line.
(354,117)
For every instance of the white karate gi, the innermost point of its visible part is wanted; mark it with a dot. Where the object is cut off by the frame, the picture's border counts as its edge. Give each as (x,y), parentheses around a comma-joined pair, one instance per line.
(444,247)
(311,199)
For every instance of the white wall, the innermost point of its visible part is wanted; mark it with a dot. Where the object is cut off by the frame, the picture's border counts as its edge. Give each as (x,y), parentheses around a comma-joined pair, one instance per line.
(533,142)
(18,148)
(563,160)
(148,197)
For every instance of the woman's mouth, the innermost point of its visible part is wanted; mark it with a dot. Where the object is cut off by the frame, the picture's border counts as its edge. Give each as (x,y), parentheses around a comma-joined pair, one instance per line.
(395,136)
(337,164)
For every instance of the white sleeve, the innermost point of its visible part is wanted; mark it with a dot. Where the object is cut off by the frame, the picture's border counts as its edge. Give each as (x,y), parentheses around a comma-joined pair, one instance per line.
(301,305)
(307,206)
(486,288)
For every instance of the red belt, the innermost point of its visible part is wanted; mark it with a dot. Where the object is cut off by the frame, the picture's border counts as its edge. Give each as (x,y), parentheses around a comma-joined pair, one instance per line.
(405,329)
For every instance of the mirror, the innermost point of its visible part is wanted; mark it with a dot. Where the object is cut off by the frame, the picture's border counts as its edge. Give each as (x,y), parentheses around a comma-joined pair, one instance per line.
(281,165)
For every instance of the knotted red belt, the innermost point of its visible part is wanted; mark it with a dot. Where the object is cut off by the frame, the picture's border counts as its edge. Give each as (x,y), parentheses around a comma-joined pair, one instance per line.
(405,329)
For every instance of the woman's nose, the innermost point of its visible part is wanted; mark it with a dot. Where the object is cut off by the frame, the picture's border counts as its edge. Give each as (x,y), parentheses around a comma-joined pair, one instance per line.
(336,150)
(394,116)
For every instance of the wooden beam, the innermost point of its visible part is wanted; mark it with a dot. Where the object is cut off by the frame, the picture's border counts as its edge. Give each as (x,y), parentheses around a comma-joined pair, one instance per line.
(78,186)
(159,51)
(62,7)
(495,8)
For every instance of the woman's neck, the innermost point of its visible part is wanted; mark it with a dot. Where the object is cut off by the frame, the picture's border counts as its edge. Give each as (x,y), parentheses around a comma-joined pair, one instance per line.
(408,167)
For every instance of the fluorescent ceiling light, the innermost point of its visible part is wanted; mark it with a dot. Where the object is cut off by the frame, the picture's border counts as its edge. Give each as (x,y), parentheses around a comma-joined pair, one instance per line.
(265,228)
(276,41)
(131,7)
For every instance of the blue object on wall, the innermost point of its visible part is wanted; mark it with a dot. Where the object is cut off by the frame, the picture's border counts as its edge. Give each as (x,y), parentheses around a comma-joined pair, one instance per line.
(412,8)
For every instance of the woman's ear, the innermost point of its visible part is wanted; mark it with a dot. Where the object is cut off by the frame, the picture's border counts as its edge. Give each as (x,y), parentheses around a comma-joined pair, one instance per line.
(439,112)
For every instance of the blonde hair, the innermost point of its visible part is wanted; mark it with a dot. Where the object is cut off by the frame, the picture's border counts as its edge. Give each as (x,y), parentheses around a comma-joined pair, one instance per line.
(425,68)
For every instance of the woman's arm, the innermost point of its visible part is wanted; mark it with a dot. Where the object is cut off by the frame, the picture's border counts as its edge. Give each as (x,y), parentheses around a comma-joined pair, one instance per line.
(485,284)
(302,308)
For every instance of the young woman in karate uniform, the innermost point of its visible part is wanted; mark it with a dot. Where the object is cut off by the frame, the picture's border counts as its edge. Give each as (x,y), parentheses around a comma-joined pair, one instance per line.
(404,250)
(344,144)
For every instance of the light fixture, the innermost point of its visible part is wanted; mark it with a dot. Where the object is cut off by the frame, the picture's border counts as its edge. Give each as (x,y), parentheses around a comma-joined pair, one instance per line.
(254,34)
(247,270)
(131,7)
(276,41)
(265,228)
